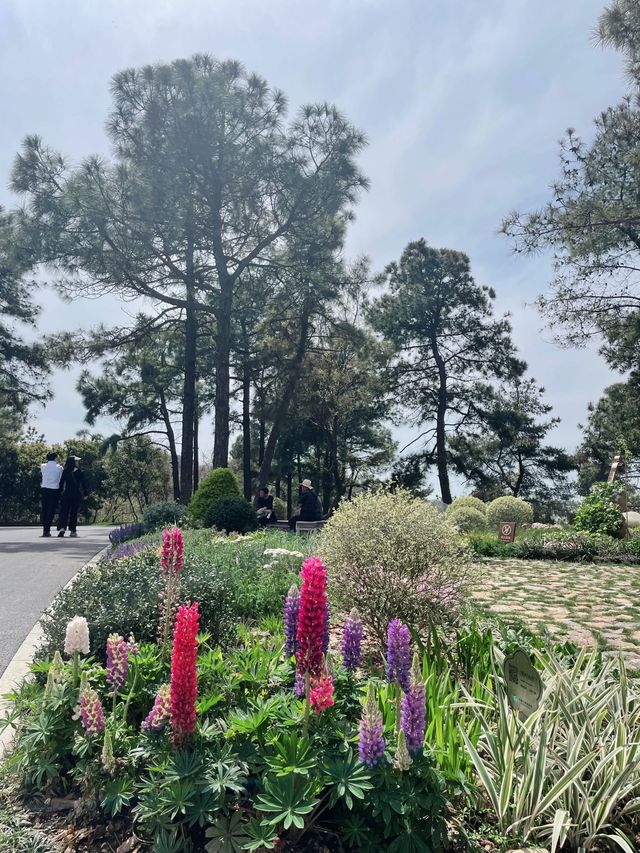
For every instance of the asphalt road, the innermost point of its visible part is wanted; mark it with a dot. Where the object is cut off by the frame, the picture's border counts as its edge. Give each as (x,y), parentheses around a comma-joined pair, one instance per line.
(32,570)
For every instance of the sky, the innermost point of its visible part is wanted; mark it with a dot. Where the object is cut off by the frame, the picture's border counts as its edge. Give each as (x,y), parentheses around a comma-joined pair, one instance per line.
(463,104)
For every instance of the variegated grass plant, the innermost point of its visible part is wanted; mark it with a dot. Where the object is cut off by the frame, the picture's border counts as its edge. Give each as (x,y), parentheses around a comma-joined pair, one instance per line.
(568,776)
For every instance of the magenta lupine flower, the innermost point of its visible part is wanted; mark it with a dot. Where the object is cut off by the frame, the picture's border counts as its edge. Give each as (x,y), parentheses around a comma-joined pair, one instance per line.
(291,610)
(371,741)
(325,633)
(172,557)
(312,617)
(157,717)
(398,653)
(91,711)
(414,707)
(351,641)
(117,661)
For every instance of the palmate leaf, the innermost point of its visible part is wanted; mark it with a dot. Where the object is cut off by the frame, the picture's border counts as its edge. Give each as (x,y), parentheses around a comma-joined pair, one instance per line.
(228,835)
(293,755)
(260,835)
(348,778)
(287,800)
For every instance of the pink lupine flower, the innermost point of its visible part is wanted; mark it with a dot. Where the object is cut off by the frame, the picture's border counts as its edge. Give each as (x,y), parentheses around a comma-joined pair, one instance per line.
(117,661)
(159,714)
(321,693)
(312,617)
(91,711)
(184,678)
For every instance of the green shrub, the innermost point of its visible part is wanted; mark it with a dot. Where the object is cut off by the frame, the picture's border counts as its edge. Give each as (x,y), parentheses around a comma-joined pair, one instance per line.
(467,519)
(509,508)
(394,555)
(220,483)
(488,545)
(163,514)
(123,596)
(234,515)
(599,512)
(468,501)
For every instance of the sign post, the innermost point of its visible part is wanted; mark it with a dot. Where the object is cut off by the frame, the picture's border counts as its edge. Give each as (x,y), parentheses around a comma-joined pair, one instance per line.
(524,685)
(507,531)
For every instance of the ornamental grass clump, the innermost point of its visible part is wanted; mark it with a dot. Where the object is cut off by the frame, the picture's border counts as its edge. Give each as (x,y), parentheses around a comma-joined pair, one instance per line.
(396,556)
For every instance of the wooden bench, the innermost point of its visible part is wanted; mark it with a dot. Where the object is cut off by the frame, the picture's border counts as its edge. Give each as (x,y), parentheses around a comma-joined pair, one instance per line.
(309,526)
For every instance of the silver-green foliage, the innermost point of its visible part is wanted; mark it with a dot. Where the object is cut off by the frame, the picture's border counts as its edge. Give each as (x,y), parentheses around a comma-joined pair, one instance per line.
(467,519)
(567,776)
(468,501)
(395,556)
(508,508)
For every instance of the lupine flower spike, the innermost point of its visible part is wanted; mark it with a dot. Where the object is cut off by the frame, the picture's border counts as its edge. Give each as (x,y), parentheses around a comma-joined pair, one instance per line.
(352,641)
(117,662)
(291,610)
(312,626)
(184,678)
(107,756)
(76,642)
(56,674)
(91,711)
(398,661)
(321,694)
(159,714)
(402,761)
(414,710)
(172,562)
(371,741)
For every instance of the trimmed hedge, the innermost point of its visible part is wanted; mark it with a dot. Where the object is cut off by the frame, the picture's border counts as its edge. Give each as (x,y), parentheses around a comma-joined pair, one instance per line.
(220,483)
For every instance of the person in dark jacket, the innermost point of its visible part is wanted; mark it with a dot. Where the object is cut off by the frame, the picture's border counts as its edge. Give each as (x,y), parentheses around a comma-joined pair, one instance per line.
(310,505)
(264,506)
(73,490)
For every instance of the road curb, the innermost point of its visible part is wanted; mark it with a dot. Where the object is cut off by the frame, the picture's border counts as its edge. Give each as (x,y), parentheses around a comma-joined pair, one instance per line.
(18,667)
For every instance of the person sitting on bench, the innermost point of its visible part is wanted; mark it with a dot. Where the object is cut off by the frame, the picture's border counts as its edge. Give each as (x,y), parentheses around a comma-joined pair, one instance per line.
(310,505)
(264,505)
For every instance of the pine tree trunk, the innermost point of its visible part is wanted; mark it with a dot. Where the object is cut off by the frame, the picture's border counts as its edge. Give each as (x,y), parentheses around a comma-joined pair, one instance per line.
(441,433)
(196,445)
(173,451)
(223,354)
(189,397)
(246,427)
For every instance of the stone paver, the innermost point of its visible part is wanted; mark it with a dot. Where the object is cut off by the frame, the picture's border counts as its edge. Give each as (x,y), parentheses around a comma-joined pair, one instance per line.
(591,605)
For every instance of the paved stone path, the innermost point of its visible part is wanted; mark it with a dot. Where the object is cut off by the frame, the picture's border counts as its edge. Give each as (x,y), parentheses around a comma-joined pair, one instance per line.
(32,570)
(582,602)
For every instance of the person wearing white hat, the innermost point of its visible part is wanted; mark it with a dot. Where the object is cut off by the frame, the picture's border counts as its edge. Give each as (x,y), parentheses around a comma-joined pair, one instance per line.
(310,505)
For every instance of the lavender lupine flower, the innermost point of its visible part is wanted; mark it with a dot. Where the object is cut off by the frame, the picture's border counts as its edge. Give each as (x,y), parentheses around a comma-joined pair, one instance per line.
(371,741)
(91,711)
(133,646)
(117,661)
(325,631)
(398,653)
(351,641)
(299,687)
(413,716)
(291,610)
(157,717)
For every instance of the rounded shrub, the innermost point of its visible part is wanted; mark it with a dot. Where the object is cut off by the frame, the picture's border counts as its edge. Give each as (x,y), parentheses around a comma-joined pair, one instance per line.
(395,556)
(468,501)
(467,519)
(509,508)
(235,515)
(122,596)
(600,512)
(220,483)
(163,514)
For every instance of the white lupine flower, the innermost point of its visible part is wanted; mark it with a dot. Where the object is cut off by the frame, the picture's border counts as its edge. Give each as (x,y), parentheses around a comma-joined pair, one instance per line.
(77,636)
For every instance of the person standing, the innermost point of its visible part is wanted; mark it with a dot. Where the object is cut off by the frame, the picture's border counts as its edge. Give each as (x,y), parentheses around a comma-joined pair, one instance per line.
(50,490)
(73,491)
(310,505)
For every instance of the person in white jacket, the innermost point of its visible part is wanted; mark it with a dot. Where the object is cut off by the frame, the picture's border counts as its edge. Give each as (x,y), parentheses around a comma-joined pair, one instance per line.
(50,489)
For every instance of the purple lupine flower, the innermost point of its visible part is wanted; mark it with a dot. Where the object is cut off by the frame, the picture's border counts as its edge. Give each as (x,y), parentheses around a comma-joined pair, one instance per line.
(129,549)
(124,532)
(291,610)
(371,741)
(412,720)
(91,711)
(117,661)
(351,641)
(325,631)
(159,714)
(299,687)
(398,653)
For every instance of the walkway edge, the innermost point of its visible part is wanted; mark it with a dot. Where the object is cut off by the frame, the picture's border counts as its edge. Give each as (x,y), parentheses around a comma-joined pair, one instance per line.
(18,667)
